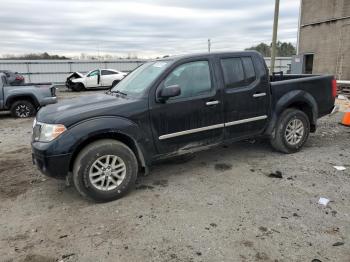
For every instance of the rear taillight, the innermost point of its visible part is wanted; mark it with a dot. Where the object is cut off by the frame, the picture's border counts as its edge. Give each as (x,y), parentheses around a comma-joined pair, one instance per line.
(334,88)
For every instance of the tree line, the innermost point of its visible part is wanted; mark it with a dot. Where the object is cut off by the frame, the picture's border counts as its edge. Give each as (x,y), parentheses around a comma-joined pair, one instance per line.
(33,56)
(284,49)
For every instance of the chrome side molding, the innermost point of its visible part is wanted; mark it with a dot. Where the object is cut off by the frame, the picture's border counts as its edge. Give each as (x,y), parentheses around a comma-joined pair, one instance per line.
(191,131)
(247,120)
(201,129)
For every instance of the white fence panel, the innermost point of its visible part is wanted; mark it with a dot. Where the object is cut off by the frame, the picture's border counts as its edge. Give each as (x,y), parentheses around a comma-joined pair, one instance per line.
(56,71)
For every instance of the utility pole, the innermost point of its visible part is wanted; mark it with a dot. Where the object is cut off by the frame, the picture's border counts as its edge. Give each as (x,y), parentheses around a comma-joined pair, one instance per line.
(299,25)
(274,35)
(209,45)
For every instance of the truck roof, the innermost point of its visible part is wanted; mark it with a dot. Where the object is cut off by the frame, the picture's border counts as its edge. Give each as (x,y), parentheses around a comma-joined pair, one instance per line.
(195,55)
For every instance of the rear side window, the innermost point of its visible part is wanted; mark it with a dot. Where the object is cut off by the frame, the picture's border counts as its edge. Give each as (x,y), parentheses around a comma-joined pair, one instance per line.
(233,72)
(238,72)
(108,72)
(249,70)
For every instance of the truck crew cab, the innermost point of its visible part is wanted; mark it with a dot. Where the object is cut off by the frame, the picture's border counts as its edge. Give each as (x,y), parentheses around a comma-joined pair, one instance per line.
(175,106)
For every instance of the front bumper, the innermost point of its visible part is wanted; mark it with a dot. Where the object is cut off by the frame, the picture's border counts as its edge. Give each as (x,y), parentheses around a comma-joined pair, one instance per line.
(56,166)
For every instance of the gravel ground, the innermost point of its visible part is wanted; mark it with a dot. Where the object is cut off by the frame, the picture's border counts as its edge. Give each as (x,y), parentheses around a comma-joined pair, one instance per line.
(220,205)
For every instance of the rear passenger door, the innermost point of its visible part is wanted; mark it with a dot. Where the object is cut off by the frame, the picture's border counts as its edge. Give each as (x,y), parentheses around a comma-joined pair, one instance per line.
(246,96)
(107,77)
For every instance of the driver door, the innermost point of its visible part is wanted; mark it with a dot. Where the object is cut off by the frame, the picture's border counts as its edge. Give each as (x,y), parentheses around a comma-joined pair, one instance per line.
(192,119)
(93,79)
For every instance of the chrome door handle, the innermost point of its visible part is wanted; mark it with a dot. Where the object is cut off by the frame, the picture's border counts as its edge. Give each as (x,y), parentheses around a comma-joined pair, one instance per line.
(259,95)
(212,103)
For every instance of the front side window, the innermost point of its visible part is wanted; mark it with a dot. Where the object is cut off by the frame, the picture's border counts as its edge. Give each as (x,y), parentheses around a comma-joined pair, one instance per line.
(193,78)
(93,73)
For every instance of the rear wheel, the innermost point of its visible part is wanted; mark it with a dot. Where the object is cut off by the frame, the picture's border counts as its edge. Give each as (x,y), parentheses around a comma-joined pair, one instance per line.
(105,170)
(292,131)
(23,109)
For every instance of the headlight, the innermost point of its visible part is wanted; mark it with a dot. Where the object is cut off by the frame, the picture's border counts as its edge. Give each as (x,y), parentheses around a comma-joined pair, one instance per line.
(47,132)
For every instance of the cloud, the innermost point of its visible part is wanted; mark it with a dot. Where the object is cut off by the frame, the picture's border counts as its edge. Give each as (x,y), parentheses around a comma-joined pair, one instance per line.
(145,27)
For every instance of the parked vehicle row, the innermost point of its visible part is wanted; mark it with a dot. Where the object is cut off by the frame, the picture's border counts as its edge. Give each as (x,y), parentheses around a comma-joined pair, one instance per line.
(175,106)
(30,99)
(95,79)
(24,100)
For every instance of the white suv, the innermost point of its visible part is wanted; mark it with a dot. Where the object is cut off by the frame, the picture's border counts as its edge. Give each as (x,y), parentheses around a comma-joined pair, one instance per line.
(99,78)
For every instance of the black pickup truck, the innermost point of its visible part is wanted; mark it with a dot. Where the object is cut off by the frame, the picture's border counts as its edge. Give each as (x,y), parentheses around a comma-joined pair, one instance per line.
(175,106)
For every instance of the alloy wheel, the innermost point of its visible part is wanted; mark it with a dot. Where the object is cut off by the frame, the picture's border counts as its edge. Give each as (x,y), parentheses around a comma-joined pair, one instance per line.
(294,132)
(107,172)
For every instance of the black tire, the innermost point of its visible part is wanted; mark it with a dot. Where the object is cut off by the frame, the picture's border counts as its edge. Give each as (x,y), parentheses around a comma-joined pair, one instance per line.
(78,87)
(91,153)
(280,142)
(23,109)
(115,82)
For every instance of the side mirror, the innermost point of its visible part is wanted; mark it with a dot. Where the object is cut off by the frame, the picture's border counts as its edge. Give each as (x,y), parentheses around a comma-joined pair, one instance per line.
(169,91)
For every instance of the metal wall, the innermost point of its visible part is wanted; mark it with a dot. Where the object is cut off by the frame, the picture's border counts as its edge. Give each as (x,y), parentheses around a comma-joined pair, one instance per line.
(56,71)
(325,33)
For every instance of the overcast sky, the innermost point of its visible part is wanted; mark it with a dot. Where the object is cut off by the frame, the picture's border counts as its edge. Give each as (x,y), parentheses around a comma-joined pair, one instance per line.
(143,27)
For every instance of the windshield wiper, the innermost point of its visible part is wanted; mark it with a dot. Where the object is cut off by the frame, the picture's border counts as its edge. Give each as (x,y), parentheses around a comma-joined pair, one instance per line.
(118,92)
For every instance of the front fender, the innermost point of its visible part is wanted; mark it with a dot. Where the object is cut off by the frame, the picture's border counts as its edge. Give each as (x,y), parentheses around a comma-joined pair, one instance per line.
(83,130)
(296,97)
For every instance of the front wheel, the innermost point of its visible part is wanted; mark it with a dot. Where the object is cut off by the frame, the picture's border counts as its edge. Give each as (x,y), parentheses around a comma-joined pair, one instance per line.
(78,87)
(292,131)
(105,170)
(23,109)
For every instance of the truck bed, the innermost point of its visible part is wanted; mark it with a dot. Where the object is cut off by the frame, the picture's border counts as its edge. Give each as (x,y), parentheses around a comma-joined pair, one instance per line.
(319,87)
(281,77)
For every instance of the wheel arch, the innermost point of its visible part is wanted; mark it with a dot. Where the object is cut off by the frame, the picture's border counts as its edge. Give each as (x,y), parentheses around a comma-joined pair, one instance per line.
(118,136)
(298,99)
(28,97)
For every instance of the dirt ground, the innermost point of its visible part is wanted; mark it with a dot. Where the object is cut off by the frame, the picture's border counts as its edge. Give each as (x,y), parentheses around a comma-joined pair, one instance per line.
(221,205)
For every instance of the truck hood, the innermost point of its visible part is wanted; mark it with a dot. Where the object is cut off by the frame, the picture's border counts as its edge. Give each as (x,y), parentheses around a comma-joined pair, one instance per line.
(79,109)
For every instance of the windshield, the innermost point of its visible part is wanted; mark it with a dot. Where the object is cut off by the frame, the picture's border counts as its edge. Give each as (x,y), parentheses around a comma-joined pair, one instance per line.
(138,80)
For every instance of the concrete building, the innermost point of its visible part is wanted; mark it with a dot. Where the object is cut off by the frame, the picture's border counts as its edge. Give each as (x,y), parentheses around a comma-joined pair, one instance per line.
(324,38)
